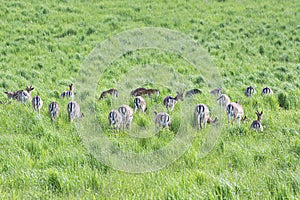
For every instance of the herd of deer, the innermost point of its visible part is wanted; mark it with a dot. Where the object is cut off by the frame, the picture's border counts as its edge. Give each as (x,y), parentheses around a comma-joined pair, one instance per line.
(73,107)
(123,116)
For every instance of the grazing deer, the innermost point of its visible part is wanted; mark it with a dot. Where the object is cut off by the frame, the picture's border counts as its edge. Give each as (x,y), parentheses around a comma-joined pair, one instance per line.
(170,102)
(139,104)
(53,110)
(235,111)
(69,93)
(112,92)
(250,91)
(201,116)
(20,95)
(192,92)
(37,103)
(267,91)
(256,124)
(216,91)
(74,111)
(115,120)
(224,100)
(127,116)
(162,119)
(144,91)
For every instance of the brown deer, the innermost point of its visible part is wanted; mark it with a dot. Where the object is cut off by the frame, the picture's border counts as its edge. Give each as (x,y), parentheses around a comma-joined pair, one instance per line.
(224,100)
(250,91)
(170,102)
(37,103)
(115,120)
(162,119)
(144,91)
(74,111)
(127,116)
(267,91)
(192,92)
(235,111)
(201,116)
(256,124)
(112,92)
(139,104)
(69,93)
(53,110)
(20,95)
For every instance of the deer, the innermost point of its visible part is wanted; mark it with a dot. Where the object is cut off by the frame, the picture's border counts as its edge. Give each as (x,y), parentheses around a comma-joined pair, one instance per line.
(113,92)
(224,100)
(267,91)
(162,119)
(250,91)
(69,93)
(20,95)
(140,104)
(192,92)
(73,109)
(37,103)
(127,116)
(256,124)
(115,120)
(170,102)
(53,110)
(144,91)
(216,92)
(201,116)
(235,111)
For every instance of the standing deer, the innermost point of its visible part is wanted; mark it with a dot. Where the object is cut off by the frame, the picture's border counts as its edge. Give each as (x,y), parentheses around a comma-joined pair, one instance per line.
(170,102)
(267,91)
(250,91)
(37,103)
(69,93)
(20,95)
(115,120)
(112,92)
(235,111)
(224,100)
(256,124)
(74,111)
(127,116)
(216,91)
(162,119)
(201,116)
(144,91)
(53,110)
(139,104)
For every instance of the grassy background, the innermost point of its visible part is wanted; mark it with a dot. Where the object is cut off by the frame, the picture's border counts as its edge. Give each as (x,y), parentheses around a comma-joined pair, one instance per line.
(251,43)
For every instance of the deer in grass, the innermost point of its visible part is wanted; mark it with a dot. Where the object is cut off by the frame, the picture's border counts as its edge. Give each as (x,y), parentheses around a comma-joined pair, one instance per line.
(192,92)
(139,104)
(216,91)
(73,109)
(144,91)
(20,95)
(37,103)
(256,124)
(69,93)
(112,92)
(162,119)
(201,116)
(224,100)
(267,91)
(170,102)
(53,110)
(115,120)
(250,91)
(127,116)
(235,111)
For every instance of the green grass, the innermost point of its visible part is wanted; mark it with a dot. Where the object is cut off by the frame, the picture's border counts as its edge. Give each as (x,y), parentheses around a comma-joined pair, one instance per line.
(250,42)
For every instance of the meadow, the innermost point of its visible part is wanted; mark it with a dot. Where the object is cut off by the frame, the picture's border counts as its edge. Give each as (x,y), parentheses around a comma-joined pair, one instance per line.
(45,44)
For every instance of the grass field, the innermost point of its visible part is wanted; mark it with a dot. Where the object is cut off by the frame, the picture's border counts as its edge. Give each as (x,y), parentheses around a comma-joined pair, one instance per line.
(250,43)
